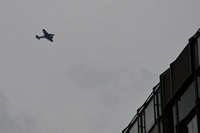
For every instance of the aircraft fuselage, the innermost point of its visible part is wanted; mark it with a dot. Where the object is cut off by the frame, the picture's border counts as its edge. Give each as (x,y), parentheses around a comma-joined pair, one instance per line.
(46,35)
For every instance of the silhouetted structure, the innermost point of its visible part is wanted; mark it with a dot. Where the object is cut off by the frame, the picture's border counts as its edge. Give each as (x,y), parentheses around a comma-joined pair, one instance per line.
(174,104)
(46,35)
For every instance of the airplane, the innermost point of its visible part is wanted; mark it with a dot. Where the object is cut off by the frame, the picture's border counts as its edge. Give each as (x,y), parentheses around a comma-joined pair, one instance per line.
(48,36)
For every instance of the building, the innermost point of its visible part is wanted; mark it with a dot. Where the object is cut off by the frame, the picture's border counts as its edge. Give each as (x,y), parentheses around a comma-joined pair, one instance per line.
(174,104)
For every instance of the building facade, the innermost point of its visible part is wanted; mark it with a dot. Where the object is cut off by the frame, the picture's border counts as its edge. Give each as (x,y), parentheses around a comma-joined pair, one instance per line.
(174,104)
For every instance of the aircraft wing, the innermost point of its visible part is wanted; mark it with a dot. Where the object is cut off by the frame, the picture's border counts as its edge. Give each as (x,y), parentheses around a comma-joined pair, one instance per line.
(49,38)
(45,32)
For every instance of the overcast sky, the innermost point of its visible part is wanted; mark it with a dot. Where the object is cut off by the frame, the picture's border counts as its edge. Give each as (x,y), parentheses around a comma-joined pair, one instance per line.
(106,57)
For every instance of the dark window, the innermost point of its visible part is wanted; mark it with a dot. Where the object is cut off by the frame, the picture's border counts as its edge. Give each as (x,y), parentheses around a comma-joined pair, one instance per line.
(198,46)
(155,129)
(198,78)
(187,102)
(166,86)
(157,102)
(175,117)
(141,122)
(149,115)
(180,69)
(161,127)
(134,128)
(191,127)
(185,130)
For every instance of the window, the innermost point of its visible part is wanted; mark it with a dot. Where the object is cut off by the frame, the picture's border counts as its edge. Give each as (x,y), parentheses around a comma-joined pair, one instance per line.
(134,128)
(141,123)
(198,46)
(174,117)
(187,102)
(149,115)
(198,79)
(157,103)
(191,127)
(155,129)
(161,127)
(166,86)
(159,100)
(180,69)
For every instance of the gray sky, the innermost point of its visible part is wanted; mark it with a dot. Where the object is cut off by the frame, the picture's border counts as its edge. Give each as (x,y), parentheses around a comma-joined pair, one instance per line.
(106,57)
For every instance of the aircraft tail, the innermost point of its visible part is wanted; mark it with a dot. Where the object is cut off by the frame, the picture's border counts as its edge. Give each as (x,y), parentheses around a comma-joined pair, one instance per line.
(37,37)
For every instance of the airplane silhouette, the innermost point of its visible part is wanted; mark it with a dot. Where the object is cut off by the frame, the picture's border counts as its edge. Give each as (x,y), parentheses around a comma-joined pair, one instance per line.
(48,36)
